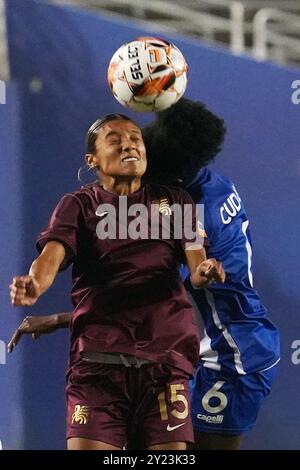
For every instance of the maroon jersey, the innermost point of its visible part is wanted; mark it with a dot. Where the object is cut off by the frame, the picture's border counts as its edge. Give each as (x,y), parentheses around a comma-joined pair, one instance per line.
(127,293)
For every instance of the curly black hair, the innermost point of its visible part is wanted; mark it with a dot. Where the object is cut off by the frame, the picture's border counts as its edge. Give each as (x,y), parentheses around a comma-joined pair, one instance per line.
(180,141)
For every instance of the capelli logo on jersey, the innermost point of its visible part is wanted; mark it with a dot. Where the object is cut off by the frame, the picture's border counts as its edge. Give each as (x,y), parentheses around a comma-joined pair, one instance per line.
(231,207)
(81,414)
(211,419)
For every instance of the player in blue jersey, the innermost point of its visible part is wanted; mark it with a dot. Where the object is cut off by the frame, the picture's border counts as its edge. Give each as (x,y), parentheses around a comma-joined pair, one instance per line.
(240,348)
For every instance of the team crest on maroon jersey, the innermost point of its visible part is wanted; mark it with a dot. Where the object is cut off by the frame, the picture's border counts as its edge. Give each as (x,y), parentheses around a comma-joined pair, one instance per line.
(81,414)
(163,206)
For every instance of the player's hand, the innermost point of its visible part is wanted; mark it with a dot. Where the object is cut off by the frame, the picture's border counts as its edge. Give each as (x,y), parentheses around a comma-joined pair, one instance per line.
(24,290)
(34,325)
(207,272)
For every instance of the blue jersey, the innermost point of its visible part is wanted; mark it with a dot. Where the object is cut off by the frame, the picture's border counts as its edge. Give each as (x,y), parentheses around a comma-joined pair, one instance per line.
(238,336)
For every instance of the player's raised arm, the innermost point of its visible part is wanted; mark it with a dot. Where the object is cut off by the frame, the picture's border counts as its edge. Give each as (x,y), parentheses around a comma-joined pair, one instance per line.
(25,290)
(203,270)
(38,326)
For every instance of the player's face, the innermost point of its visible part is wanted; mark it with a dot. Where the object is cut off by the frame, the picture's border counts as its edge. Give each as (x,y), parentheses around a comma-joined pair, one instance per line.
(120,150)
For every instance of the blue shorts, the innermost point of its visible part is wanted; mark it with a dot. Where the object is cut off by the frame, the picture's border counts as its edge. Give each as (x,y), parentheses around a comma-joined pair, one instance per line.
(227,405)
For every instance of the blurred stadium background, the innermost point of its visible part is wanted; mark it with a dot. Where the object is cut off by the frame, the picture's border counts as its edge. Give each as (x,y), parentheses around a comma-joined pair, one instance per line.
(244,59)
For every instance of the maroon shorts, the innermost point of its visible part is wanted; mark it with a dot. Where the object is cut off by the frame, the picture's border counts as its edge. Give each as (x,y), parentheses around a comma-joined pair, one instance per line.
(109,403)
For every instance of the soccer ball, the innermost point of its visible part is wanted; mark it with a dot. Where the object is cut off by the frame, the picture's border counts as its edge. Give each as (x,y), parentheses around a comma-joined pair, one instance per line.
(147,74)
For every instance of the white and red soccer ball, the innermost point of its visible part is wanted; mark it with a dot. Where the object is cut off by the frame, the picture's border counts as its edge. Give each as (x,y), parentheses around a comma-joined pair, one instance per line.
(147,74)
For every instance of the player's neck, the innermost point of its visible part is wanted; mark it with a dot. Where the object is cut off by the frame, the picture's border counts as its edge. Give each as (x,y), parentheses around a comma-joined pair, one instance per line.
(121,186)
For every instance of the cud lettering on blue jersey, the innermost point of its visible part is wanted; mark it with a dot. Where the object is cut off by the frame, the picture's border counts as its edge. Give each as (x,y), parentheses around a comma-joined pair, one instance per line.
(231,207)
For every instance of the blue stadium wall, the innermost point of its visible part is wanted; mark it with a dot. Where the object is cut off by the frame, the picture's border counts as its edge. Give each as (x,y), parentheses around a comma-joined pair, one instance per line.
(59,58)
(11,223)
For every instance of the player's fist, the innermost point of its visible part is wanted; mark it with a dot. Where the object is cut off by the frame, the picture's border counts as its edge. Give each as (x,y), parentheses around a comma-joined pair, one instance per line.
(24,290)
(208,271)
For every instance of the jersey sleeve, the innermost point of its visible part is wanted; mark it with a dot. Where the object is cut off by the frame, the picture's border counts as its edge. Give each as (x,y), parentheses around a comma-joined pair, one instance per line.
(63,227)
(229,234)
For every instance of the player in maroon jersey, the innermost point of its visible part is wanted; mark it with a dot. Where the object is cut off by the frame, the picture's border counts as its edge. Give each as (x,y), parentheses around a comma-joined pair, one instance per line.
(134,339)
